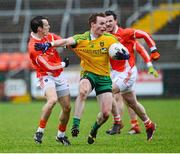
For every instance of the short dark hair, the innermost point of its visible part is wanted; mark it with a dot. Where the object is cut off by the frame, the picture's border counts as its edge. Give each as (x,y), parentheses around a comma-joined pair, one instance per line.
(93,17)
(111,13)
(37,22)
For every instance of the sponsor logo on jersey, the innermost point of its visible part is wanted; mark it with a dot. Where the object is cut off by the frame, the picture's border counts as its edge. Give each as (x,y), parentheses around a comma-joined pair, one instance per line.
(104,50)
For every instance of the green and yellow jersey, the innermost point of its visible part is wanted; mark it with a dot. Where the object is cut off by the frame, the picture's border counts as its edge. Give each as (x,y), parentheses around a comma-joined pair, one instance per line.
(94,53)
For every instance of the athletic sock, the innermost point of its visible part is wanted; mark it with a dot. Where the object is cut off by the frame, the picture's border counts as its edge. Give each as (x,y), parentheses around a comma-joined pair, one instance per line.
(60,134)
(40,130)
(76,122)
(62,127)
(147,123)
(96,126)
(117,119)
(134,123)
(42,125)
(61,130)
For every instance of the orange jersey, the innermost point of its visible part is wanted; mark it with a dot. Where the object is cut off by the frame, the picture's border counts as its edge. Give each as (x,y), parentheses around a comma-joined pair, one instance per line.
(128,38)
(51,56)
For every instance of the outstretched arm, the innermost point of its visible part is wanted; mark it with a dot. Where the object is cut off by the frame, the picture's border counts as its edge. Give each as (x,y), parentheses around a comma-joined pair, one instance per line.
(63,42)
(142,52)
(56,43)
(155,55)
(145,56)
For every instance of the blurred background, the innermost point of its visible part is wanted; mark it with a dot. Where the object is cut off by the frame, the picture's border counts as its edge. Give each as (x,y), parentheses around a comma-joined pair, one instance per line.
(160,18)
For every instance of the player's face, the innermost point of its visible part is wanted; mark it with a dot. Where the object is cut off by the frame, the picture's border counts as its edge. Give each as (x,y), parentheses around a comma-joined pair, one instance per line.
(46,27)
(99,27)
(110,24)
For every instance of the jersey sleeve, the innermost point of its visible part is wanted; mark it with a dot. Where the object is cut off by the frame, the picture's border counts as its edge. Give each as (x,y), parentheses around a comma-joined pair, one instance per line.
(79,37)
(142,52)
(42,61)
(139,34)
(33,54)
(56,37)
(128,34)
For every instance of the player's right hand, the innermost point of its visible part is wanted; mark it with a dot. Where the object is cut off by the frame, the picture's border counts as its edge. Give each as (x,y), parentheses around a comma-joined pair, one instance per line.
(151,70)
(42,46)
(155,55)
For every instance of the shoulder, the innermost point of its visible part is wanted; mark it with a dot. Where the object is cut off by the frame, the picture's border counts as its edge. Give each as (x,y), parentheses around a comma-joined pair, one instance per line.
(128,31)
(84,36)
(31,42)
(109,36)
(31,49)
(54,36)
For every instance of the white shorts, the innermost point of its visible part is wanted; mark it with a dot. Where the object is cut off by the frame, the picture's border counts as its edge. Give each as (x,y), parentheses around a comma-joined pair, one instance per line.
(125,80)
(59,83)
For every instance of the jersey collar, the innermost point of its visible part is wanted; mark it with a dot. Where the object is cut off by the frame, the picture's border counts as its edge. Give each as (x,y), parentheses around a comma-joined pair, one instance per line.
(33,36)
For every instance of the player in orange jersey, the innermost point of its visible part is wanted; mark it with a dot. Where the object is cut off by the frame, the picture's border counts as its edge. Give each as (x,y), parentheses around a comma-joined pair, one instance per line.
(124,76)
(49,68)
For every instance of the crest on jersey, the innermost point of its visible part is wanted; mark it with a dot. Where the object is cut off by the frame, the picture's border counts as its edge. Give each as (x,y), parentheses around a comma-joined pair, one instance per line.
(101,44)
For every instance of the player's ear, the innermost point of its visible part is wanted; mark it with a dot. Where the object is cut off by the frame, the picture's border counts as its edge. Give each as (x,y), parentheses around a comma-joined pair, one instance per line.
(92,23)
(39,29)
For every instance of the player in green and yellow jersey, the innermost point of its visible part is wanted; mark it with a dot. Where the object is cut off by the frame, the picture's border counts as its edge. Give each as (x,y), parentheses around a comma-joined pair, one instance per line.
(92,47)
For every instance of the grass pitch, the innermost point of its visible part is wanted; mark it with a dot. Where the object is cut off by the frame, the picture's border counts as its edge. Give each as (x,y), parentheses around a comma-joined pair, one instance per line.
(18,124)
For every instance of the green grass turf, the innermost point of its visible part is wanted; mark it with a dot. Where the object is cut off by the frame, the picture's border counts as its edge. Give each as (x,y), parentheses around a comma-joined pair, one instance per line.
(19,122)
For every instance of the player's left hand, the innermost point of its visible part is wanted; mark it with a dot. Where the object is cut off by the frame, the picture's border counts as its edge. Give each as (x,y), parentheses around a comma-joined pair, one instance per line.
(66,61)
(151,70)
(155,55)
(42,46)
(122,55)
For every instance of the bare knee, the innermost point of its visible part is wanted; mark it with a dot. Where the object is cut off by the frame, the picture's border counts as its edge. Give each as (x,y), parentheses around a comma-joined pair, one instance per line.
(84,89)
(131,105)
(83,94)
(102,117)
(105,115)
(51,102)
(67,108)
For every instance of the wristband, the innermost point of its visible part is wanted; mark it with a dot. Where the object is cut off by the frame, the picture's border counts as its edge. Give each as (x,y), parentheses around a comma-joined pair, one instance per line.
(52,43)
(63,64)
(153,48)
(149,64)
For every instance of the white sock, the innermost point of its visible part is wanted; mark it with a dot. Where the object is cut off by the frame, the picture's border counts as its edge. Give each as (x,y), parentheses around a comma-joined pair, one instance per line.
(40,129)
(60,134)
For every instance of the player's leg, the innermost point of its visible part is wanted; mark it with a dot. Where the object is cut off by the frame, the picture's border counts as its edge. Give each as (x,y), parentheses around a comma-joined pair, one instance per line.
(132,102)
(120,103)
(103,88)
(51,96)
(135,128)
(64,118)
(117,112)
(105,102)
(117,108)
(84,90)
(130,98)
(62,89)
